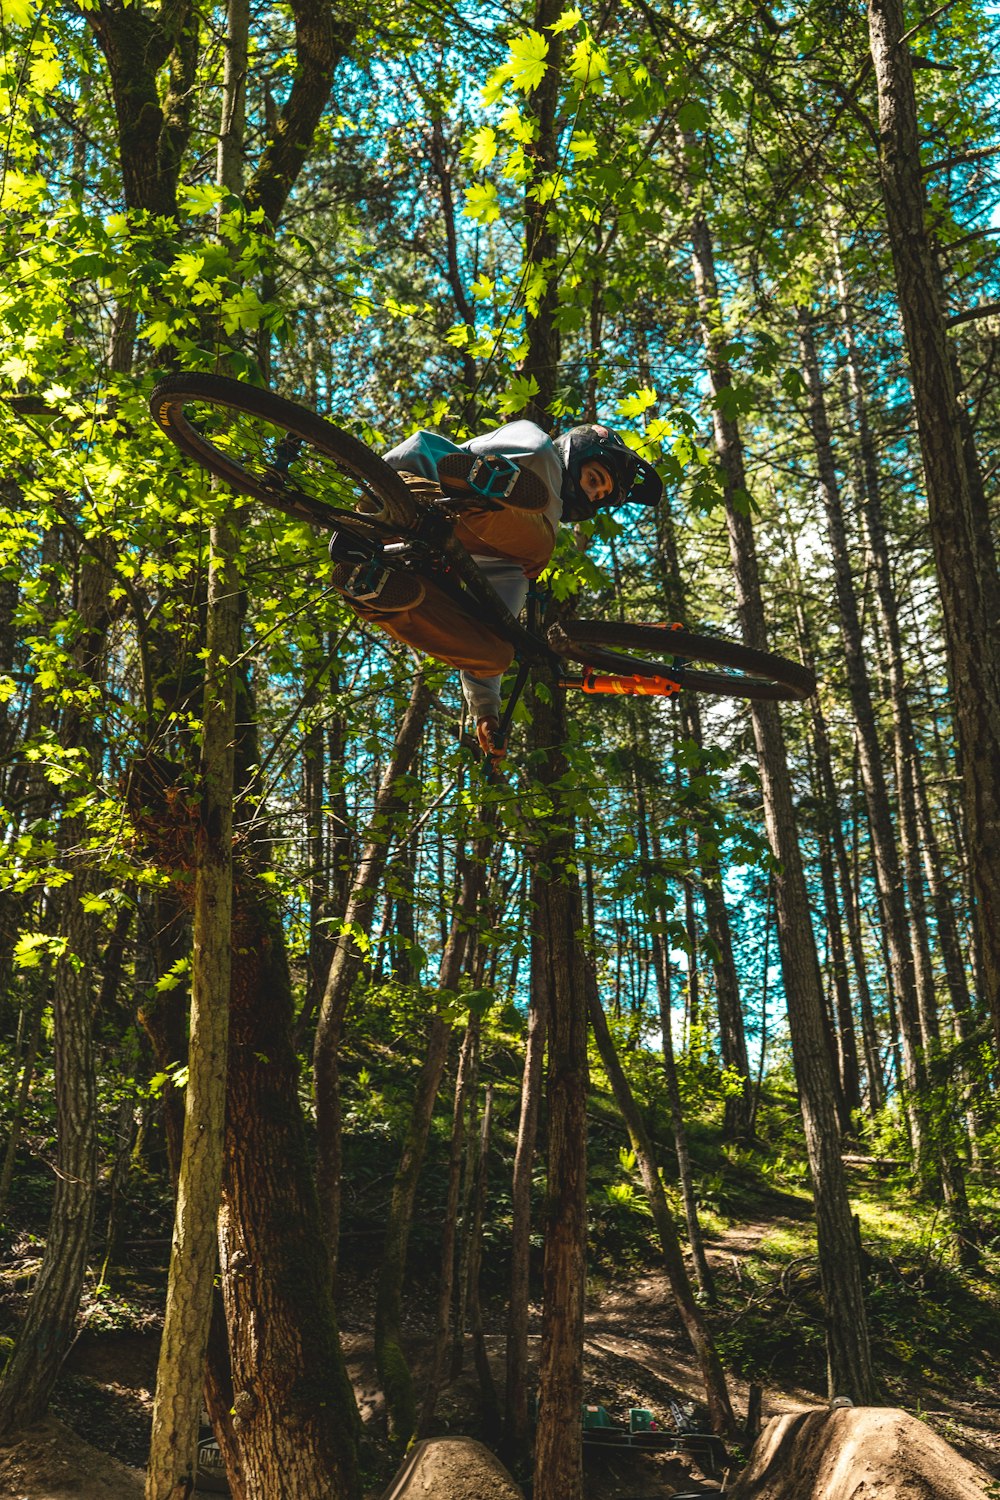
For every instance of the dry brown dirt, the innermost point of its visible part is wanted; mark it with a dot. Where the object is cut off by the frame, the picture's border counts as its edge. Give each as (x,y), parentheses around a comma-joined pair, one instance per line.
(635,1355)
(50,1462)
(445,1468)
(856,1454)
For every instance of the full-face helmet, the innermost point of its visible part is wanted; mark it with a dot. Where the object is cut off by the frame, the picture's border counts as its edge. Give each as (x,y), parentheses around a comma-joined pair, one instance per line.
(635,481)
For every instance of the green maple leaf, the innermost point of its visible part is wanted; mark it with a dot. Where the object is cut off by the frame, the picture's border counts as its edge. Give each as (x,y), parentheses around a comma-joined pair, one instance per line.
(583,147)
(525,67)
(481,202)
(588,64)
(528,56)
(634,406)
(483,147)
(518,394)
(521,129)
(16,12)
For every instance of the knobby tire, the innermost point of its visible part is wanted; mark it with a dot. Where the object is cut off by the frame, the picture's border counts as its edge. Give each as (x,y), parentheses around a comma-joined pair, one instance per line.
(189,407)
(659,651)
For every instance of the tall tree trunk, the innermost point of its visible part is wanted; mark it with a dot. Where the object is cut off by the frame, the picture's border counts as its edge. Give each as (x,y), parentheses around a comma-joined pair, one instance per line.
(949,942)
(964,551)
(456,1352)
(849,1364)
(47,1331)
(449,1228)
(852,913)
(153,128)
(294,1413)
(833,852)
(34,1006)
(348,954)
(541,241)
(887,869)
(558,915)
(870,494)
(849,1096)
(393,1368)
(28,794)
(661,963)
(558,920)
(692,1002)
(177,1408)
(716,1392)
(487,1388)
(293,1416)
(441,168)
(652,854)
(405,964)
(194,1251)
(516,1424)
(320,949)
(732,1034)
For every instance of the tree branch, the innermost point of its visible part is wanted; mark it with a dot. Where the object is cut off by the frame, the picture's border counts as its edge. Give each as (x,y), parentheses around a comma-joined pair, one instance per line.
(985,310)
(926,21)
(152,134)
(959,160)
(320,43)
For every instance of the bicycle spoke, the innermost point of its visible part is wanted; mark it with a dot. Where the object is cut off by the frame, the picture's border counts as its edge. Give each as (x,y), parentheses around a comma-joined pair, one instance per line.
(280,461)
(281,453)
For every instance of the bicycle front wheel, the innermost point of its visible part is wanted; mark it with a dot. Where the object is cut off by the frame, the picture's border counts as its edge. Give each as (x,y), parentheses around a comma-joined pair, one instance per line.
(280,453)
(677,654)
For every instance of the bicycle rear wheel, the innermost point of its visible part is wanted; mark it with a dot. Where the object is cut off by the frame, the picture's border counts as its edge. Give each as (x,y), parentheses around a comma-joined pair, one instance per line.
(280,453)
(665,651)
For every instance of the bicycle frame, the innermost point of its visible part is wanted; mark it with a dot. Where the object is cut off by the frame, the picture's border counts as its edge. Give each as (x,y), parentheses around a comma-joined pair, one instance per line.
(434,533)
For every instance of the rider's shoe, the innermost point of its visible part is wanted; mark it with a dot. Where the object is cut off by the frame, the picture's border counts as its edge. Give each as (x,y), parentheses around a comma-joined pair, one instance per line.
(361,575)
(493,479)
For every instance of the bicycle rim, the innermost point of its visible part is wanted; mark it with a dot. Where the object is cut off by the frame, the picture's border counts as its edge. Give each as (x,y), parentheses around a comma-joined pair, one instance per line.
(280,453)
(660,651)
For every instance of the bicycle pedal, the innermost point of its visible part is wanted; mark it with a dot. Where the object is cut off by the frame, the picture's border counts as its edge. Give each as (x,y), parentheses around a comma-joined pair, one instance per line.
(366,582)
(378,587)
(492,479)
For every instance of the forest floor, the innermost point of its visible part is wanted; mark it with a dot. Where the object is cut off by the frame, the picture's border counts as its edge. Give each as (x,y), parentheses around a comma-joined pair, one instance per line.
(94,1444)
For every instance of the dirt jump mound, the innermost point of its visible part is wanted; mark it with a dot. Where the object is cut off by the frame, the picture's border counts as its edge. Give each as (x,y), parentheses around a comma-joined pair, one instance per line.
(858,1453)
(446,1468)
(49,1462)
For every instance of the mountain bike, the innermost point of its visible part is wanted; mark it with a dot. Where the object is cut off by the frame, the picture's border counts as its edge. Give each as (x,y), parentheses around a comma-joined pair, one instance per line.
(297,462)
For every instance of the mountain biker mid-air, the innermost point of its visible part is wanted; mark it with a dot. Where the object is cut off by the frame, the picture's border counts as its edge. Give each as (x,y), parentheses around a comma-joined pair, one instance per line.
(513,484)
(438,546)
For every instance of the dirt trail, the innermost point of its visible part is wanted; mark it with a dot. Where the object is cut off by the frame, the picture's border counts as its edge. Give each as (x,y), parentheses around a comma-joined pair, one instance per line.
(635,1354)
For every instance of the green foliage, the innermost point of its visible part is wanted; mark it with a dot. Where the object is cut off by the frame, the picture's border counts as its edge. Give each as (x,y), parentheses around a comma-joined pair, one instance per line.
(378,303)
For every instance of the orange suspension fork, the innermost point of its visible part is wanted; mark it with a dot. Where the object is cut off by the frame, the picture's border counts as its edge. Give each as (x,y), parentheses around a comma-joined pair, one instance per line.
(631,687)
(656,687)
